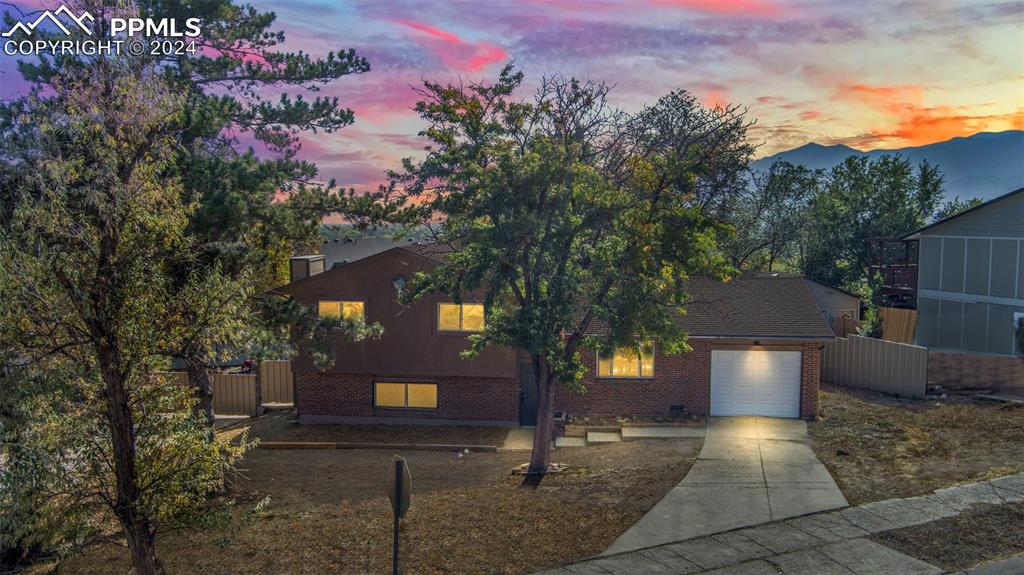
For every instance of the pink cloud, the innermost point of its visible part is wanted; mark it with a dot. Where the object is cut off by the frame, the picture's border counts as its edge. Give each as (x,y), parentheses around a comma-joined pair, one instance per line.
(454,51)
(767,8)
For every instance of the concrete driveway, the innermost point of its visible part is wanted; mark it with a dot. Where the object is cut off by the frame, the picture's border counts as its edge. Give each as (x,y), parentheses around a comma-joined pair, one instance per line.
(751,470)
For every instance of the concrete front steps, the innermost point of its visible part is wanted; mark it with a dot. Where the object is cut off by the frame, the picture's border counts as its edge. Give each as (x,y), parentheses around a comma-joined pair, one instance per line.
(578,436)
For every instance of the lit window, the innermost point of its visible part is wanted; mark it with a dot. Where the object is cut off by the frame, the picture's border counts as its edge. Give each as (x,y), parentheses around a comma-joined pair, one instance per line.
(405,395)
(350,310)
(460,317)
(627,362)
(390,395)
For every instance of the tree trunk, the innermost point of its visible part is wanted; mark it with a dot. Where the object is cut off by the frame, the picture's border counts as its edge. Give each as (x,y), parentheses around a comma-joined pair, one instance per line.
(142,546)
(199,379)
(136,526)
(540,458)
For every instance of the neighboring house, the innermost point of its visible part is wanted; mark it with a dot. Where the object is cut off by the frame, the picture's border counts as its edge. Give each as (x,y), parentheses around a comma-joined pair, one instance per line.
(347,250)
(835,303)
(756,347)
(970,295)
(970,278)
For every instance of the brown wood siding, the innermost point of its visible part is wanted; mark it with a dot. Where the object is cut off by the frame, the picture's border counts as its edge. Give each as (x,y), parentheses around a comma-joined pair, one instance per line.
(411,345)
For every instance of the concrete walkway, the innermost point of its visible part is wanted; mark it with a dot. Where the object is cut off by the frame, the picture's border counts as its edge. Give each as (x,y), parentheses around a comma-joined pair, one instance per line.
(518,439)
(827,543)
(751,470)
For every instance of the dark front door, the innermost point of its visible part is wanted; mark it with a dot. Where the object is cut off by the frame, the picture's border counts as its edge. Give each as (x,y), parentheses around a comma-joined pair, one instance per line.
(527,395)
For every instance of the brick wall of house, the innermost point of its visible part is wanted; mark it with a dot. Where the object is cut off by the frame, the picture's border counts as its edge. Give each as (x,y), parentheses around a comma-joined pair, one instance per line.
(683,379)
(810,384)
(1001,373)
(458,398)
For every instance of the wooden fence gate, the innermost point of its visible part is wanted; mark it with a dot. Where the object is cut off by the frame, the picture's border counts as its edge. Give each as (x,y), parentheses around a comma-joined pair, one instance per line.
(276,379)
(234,394)
(876,364)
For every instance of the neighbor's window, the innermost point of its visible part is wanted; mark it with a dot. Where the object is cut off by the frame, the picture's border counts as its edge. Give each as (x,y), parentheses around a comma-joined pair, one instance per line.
(628,362)
(460,317)
(405,395)
(351,310)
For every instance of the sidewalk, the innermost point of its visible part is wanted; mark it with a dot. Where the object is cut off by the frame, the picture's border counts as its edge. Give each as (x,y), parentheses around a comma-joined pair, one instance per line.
(829,543)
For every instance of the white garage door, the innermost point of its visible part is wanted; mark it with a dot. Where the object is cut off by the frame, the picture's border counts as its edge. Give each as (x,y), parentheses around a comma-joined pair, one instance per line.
(755,382)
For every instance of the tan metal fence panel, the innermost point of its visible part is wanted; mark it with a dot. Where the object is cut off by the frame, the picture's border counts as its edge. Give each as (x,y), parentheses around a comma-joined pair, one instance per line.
(879,365)
(898,324)
(234,394)
(276,379)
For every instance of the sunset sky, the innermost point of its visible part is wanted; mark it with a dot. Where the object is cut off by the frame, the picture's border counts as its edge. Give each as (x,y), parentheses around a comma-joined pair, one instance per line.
(869,74)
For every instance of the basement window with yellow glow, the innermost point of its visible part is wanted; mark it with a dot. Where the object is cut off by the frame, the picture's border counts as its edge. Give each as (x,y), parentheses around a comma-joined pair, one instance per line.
(405,395)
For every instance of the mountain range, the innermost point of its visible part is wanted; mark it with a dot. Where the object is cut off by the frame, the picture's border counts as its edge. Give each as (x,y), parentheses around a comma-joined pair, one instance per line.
(984,165)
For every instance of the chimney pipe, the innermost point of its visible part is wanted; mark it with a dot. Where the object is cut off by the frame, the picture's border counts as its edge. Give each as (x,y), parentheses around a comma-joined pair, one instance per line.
(304,266)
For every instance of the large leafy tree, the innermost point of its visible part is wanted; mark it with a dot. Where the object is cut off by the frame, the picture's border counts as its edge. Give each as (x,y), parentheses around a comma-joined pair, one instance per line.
(250,211)
(101,287)
(576,224)
(135,232)
(861,199)
(768,217)
(956,206)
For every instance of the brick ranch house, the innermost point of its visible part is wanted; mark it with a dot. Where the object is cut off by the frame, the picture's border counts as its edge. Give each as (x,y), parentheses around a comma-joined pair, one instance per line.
(756,347)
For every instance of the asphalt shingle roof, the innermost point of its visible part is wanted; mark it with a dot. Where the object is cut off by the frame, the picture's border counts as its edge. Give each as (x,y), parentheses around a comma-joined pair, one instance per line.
(754,306)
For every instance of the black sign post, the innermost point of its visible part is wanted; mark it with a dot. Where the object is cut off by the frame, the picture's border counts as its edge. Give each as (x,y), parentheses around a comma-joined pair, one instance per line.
(399,483)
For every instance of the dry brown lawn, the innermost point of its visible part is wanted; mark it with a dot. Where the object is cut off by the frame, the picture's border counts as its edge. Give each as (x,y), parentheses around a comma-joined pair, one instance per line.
(880,447)
(329,512)
(282,427)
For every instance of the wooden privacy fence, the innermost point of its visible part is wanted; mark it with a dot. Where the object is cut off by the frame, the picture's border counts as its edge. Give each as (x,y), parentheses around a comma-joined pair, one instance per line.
(277,383)
(898,324)
(876,364)
(235,393)
(844,326)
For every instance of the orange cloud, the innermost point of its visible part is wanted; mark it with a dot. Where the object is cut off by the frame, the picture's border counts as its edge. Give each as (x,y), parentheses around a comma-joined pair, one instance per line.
(928,125)
(892,99)
(913,123)
(716,99)
(454,51)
